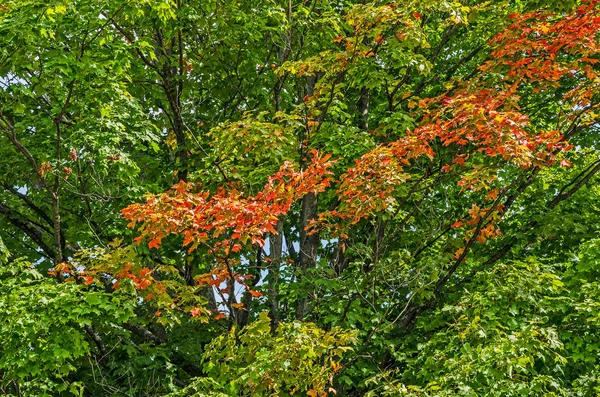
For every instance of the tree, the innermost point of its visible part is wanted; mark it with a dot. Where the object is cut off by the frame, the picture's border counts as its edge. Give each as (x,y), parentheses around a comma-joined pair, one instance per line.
(420,172)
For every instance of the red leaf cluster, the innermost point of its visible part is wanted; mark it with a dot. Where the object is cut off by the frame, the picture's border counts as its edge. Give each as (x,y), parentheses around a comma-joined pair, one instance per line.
(483,115)
(226,220)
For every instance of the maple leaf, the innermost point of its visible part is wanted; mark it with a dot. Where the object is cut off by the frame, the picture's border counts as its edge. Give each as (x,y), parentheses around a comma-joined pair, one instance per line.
(459,252)
(73,154)
(154,243)
(459,160)
(492,195)
(144,284)
(195,311)
(145,271)
(45,168)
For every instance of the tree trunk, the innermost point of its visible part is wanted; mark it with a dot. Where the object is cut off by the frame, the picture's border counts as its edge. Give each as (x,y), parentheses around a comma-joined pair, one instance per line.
(308,250)
(276,248)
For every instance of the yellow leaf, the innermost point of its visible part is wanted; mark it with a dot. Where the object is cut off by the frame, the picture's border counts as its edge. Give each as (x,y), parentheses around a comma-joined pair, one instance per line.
(459,252)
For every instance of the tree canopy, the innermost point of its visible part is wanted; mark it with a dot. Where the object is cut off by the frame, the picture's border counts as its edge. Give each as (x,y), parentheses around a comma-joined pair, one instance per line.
(301,197)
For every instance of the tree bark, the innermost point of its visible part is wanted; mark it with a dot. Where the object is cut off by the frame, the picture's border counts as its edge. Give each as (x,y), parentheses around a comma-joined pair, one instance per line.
(309,243)
(276,248)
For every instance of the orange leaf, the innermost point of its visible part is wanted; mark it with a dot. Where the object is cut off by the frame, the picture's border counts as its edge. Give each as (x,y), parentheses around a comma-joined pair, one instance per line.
(459,252)
(195,311)
(492,195)
(154,243)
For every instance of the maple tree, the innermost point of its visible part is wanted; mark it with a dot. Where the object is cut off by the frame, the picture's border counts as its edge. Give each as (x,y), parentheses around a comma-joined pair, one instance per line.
(254,198)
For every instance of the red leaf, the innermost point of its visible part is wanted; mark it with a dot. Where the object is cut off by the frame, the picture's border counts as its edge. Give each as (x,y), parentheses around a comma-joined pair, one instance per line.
(255,294)
(195,311)
(154,243)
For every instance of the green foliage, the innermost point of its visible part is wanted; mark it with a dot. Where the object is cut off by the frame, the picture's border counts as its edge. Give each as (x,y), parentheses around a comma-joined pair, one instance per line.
(298,358)
(43,331)
(432,264)
(4,254)
(501,335)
